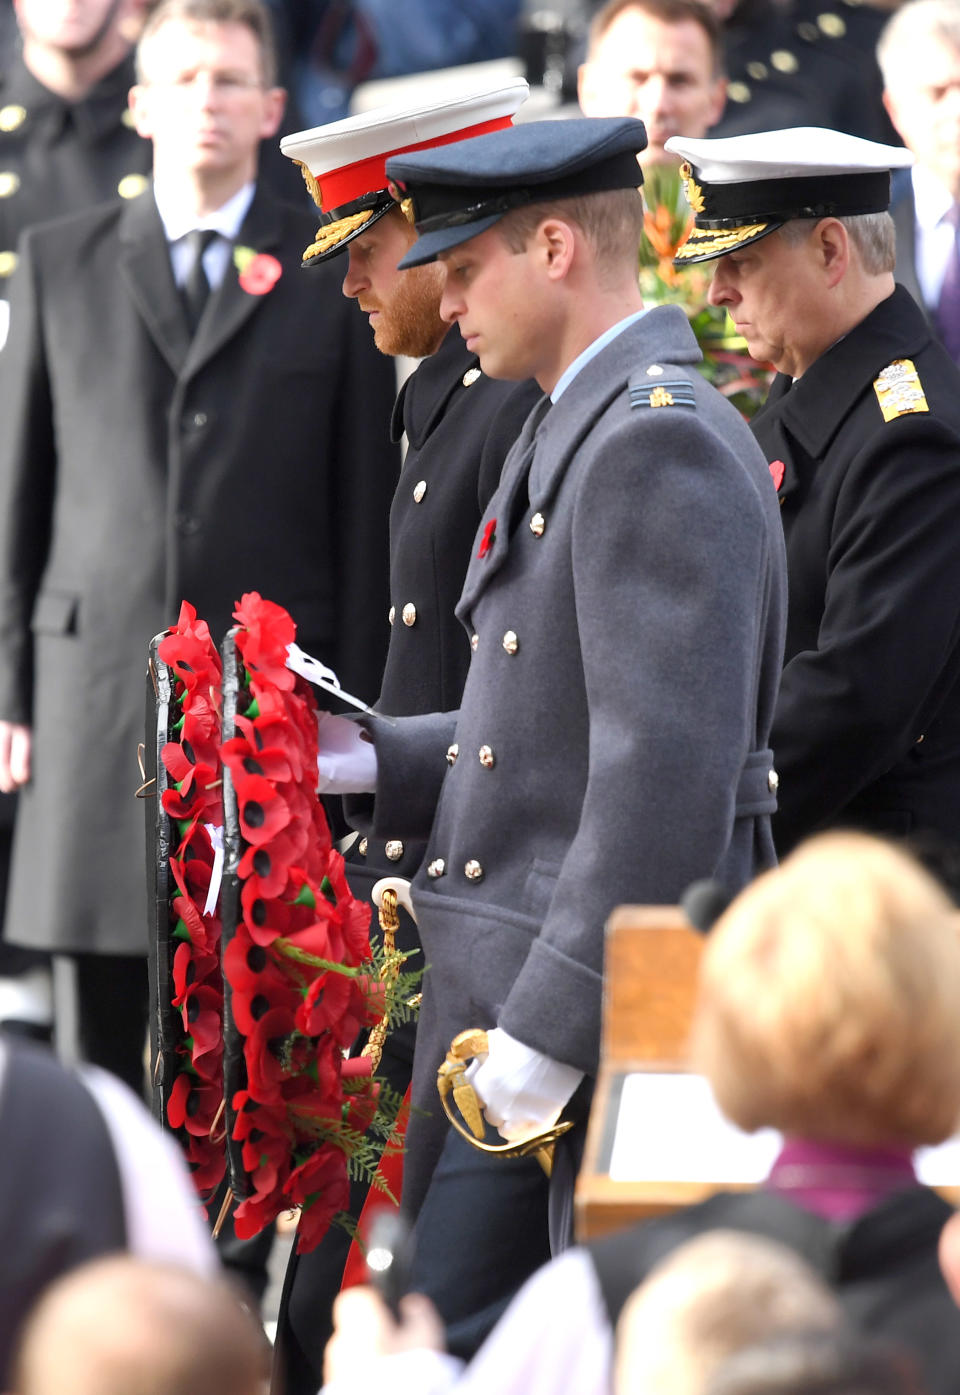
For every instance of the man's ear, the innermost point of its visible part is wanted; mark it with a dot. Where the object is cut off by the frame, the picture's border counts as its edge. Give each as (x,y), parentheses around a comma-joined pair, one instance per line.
(138,100)
(833,249)
(274,105)
(555,241)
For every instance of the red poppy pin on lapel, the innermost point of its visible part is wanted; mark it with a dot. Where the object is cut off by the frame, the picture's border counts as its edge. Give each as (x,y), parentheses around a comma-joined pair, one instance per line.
(259,271)
(777,469)
(488,539)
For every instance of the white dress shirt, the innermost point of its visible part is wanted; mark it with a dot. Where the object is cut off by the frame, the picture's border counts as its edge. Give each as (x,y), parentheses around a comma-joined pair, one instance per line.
(226,221)
(935,236)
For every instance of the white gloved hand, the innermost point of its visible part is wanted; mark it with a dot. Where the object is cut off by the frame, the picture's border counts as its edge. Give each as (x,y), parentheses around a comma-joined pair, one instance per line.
(522,1090)
(346,757)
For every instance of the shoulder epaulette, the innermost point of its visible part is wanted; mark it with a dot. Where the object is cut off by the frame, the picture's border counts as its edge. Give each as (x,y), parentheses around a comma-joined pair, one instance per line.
(899,390)
(661,387)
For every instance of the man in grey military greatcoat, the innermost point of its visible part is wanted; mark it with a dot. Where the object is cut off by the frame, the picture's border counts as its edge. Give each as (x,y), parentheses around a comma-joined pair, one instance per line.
(625,602)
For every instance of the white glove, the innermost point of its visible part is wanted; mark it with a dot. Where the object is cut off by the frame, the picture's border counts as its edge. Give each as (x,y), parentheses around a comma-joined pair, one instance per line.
(346,757)
(522,1090)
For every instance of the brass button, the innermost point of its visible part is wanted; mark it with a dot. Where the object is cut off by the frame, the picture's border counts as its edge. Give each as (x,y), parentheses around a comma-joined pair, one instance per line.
(471,376)
(436,868)
(473,871)
(12,116)
(362,847)
(920,738)
(773,781)
(452,753)
(392,614)
(132,185)
(9,183)
(419,489)
(394,849)
(487,758)
(738,92)
(784,61)
(808,31)
(510,642)
(758,71)
(832,25)
(474,641)
(8,263)
(409,614)
(537,525)
(126,119)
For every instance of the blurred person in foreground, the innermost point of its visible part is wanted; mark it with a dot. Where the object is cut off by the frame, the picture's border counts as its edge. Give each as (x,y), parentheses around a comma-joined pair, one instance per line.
(829,1009)
(817,1363)
(84,1171)
(125,1326)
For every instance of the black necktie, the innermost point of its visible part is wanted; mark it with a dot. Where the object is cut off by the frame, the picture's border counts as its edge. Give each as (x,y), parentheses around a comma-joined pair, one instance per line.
(196,289)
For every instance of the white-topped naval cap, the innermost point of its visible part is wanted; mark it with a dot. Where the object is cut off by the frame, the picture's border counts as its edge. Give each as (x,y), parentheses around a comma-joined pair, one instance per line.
(741,188)
(343,163)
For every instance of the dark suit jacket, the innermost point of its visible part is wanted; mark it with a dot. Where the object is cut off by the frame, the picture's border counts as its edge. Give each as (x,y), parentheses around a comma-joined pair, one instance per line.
(138,468)
(883,1265)
(867,726)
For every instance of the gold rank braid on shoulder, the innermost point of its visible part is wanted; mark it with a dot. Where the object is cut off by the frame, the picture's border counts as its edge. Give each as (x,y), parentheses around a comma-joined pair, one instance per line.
(309,178)
(335,232)
(717,240)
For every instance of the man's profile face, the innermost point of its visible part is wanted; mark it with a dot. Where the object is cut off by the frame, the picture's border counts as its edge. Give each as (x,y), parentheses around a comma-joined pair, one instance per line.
(495,297)
(203,102)
(771,290)
(403,306)
(660,72)
(924,105)
(70,25)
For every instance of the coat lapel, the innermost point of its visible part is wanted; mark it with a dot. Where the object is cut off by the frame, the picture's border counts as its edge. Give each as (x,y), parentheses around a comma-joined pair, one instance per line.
(230,306)
(145,267)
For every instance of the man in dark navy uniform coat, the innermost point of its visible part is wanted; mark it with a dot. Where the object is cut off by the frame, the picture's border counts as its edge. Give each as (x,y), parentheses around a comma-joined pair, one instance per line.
(459,425)
(862,431)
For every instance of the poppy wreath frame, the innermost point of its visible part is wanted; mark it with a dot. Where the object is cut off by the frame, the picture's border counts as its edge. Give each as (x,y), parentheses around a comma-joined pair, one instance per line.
(295,1108)
(186,982)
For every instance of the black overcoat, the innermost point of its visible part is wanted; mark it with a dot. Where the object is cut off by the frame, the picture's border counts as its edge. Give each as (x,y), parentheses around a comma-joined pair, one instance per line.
(138,468)
(867,724)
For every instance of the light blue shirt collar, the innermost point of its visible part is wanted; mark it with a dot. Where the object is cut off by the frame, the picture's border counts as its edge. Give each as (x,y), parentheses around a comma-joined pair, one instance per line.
(591,351)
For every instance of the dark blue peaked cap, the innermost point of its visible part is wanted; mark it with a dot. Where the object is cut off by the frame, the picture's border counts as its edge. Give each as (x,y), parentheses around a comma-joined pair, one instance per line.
(454,192)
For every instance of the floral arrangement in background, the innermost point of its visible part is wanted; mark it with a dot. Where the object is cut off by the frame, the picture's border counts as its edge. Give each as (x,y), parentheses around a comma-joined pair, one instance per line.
(193,802)
(726,360)
(274,974)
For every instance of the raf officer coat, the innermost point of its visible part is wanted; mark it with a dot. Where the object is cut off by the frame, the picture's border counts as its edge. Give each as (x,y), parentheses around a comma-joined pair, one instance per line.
(866,449)
(625,601)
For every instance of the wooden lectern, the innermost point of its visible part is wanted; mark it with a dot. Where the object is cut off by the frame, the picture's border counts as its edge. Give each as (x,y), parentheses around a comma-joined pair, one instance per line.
(655,1139)
(652,956)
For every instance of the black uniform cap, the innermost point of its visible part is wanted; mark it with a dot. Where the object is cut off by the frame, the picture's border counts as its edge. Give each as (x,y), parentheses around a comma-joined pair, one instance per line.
(456,192)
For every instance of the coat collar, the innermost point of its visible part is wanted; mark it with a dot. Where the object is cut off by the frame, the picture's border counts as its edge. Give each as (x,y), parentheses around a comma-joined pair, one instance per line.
(815,407)
(425,394)
(145,265)
(663,335)
(94,115)
(551,435)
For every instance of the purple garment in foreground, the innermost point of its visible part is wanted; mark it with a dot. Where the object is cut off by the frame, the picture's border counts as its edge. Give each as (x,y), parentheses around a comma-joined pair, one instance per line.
(839,1181)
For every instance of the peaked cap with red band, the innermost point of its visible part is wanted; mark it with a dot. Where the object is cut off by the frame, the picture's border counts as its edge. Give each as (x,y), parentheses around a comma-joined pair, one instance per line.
(344,163)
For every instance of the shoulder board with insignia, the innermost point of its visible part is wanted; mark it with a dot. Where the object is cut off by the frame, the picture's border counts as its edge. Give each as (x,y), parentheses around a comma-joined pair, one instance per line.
(665,392)
(898,390)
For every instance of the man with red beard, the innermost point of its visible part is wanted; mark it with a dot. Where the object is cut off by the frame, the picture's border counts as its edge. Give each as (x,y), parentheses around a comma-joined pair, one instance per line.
(459,426)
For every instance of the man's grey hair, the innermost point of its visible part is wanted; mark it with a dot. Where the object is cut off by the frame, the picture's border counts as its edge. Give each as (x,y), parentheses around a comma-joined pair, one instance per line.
(872,234)
(932,19)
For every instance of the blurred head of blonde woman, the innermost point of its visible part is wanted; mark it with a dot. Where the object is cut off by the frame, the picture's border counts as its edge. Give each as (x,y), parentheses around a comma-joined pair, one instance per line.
(829,1002)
